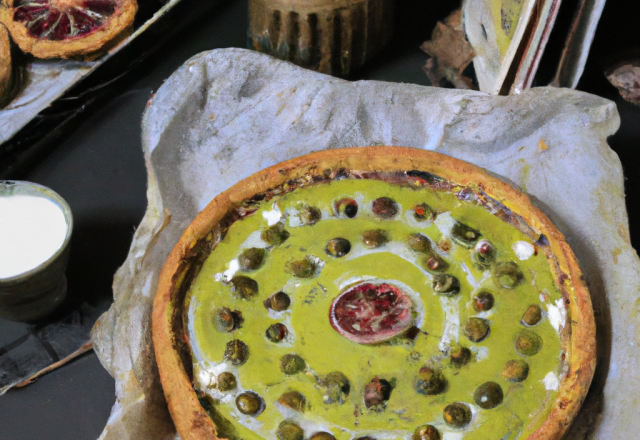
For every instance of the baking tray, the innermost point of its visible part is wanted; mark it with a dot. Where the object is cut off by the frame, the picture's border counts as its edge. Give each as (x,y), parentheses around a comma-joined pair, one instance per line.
(58,90)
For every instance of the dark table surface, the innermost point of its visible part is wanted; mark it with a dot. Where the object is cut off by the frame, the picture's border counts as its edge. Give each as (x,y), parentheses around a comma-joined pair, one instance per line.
(98,168)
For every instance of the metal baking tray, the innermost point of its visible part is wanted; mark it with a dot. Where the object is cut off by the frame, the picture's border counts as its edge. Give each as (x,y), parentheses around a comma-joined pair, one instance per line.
(57,90)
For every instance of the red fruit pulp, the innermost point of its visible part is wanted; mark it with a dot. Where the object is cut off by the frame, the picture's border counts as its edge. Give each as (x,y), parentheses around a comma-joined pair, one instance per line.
(370,313)
(62,19)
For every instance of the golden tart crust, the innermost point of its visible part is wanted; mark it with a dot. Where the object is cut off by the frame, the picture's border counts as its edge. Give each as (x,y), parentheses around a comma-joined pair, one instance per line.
(6,67)
(171,341)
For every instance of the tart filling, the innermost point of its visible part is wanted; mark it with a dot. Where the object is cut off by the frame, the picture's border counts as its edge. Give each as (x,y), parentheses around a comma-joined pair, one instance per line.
(377,308)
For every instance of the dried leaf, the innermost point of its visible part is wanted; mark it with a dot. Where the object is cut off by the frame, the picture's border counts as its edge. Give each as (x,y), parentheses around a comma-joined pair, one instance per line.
(451,53)
(625,76)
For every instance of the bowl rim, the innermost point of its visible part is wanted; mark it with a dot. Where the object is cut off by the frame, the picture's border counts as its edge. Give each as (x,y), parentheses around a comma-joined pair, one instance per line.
(189,416)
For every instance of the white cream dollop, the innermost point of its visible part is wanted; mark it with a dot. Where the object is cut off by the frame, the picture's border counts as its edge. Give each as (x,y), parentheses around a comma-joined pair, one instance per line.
(551,382)
(226,276)
(557,314)
(523,250)
(272,216)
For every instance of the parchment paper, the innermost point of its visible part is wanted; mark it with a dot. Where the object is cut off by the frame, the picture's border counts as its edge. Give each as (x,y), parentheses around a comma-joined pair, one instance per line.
(228,113)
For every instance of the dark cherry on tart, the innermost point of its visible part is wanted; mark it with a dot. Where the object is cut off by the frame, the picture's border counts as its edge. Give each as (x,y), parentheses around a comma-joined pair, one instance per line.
(323,304)
(66,28)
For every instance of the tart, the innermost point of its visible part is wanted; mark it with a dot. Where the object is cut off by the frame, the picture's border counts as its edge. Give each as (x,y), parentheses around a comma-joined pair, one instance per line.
(378,293)
(67,28)
(11,68)
(6,66)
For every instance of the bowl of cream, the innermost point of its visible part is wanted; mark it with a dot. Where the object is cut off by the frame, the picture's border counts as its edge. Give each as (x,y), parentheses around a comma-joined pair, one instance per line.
(35,230)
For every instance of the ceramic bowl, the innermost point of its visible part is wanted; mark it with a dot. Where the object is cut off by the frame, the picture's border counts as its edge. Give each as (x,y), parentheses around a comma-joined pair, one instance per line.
(36,293)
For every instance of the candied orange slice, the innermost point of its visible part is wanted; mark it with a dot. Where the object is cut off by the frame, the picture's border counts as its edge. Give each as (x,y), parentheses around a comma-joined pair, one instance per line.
(66,28)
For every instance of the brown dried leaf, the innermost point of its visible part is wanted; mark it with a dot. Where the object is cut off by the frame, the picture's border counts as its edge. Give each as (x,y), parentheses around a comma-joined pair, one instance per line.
(433,73)
(626,78)
(451,53)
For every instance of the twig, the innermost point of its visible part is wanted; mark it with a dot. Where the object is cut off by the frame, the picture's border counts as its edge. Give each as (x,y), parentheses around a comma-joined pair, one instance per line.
(83,349)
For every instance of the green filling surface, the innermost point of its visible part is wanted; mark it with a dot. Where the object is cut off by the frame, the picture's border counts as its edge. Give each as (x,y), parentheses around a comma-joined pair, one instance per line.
(525,405)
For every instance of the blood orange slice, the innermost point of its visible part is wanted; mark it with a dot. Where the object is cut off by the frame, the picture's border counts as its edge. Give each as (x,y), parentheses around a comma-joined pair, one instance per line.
(66,28)
(370,313)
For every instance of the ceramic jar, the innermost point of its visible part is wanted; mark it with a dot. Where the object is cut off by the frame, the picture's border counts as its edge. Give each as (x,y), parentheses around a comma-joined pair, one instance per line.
(330,36)
(35,293)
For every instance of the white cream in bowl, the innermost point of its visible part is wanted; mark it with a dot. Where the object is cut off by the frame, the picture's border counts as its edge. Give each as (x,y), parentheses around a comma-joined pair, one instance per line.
(32,229)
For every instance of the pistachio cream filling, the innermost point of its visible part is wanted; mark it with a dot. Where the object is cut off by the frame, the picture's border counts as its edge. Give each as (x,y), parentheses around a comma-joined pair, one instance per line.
(361,308)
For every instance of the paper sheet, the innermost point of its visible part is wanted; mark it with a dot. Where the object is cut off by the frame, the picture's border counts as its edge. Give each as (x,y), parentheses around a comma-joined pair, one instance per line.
(228,113)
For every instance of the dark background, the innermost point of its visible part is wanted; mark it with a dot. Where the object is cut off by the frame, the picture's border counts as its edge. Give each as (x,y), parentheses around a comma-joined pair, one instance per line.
(98,167)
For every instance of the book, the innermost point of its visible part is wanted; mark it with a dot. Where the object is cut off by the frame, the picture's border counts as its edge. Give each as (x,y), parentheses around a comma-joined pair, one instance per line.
(509,38)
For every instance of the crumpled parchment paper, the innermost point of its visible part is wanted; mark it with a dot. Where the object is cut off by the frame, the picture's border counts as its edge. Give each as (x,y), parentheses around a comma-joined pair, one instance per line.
(228,113)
